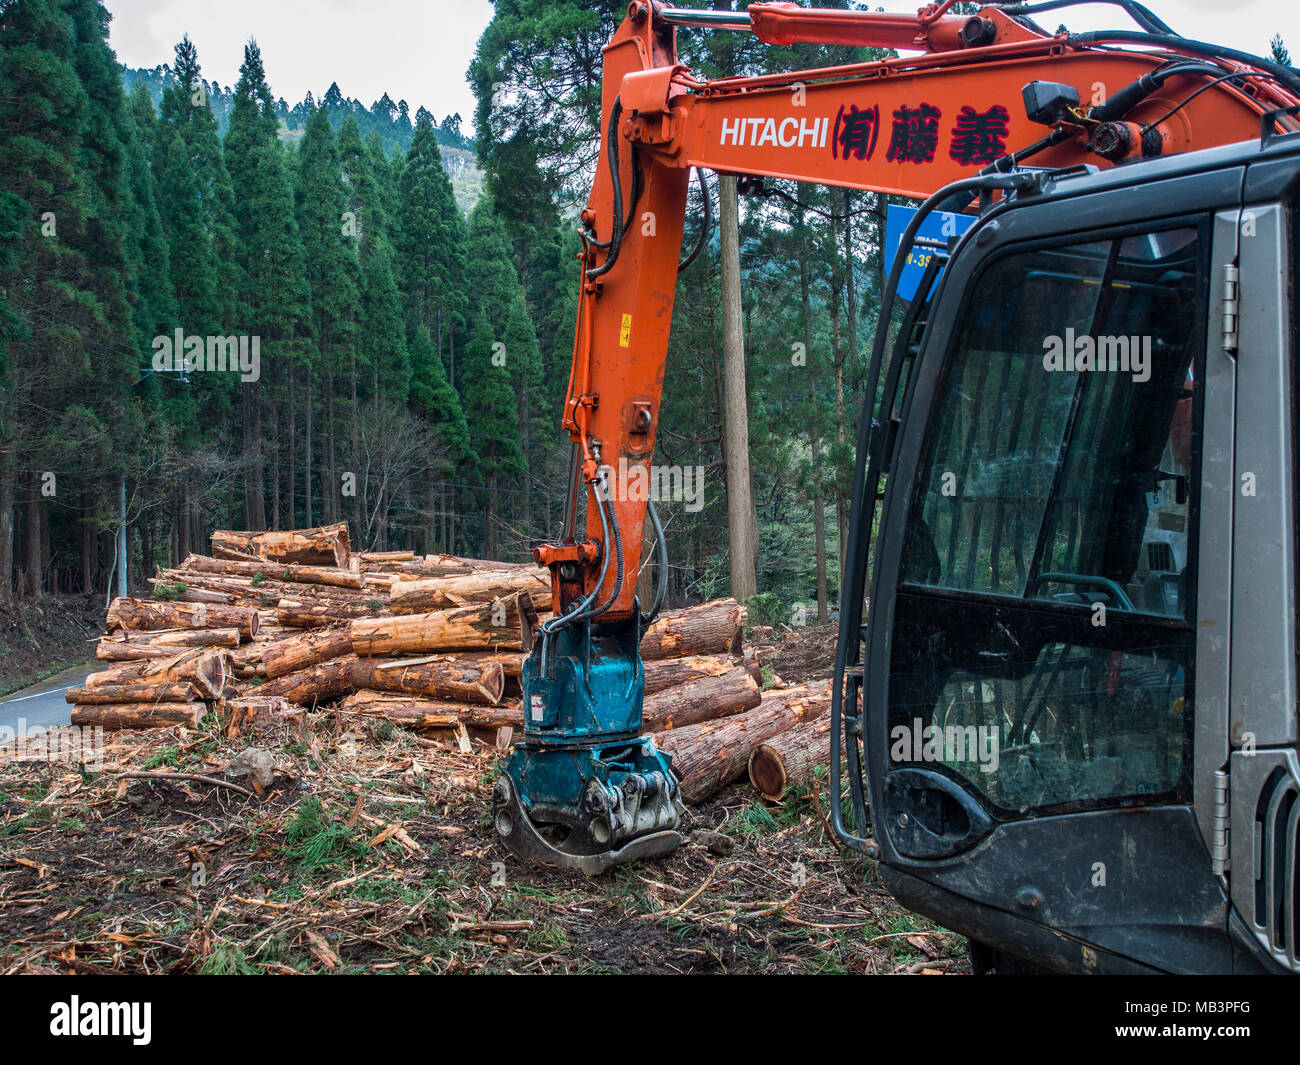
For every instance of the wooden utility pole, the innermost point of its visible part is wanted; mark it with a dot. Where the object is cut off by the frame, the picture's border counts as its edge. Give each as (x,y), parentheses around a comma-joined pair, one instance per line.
(742,518)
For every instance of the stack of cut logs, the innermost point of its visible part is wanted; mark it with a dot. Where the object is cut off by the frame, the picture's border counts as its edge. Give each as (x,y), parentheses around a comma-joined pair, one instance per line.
(277,620)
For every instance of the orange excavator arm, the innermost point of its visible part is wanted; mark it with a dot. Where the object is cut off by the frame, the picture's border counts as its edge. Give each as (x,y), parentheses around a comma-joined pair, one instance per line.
(986,91)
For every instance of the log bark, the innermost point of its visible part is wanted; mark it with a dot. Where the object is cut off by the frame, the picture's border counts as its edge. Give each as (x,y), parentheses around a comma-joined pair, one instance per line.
(207,670)
(707,629)
(249,591)
(664,673)
(790,758)
(436,677)
(292,572)
(324,546)
(702,699)
(139,715)
(379,557)
(148,614)
(507,623)
(708,756)
(412,712)
(299,652)
(474,563)
(138,646)
(315,613)
(321,683)
(168,692)
(483,586)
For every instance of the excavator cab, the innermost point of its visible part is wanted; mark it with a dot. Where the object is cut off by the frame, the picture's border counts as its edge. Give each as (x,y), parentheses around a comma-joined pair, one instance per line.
(1066,679)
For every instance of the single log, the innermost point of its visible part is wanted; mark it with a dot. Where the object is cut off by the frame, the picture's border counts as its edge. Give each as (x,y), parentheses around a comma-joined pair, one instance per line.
(247,591)
(436,677)
(139,715)
(191,638)
(148,614)
(321,683)
(207,670)
(708,756)
(168,692)
(378,557)
(298,652)
(482,586)
(702,699)
(511,662)
(664,673)
(506,623)
(110,649)
(291,572)
(707,629)
(137,646)
(325,546)
(475,563)
(316,613)
(412,712)
(790,757)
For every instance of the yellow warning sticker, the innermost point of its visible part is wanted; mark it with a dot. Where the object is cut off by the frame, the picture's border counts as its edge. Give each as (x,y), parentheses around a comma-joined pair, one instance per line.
(625,334)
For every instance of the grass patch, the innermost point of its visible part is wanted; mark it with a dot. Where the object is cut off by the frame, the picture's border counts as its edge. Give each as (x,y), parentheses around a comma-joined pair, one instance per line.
(227,960)
(316,840)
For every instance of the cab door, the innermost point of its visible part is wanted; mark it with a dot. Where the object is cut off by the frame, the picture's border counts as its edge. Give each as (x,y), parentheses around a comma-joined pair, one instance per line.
(1030,697)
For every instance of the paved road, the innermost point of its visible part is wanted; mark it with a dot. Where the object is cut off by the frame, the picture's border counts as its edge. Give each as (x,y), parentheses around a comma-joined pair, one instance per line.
(42,704)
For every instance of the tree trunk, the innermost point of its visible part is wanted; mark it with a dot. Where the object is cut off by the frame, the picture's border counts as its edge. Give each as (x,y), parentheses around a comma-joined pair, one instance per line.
(292,572)
(139,715)
(790,758)
(145,614)
(314,613)
(708,756)
(437,678)
(415,713)
(666,673)
(742,518)
(298,652)
(325,546)
(441,593)
(506,623)
(207,671)
(708,629)
(703,699)
(320,683)
(172,692)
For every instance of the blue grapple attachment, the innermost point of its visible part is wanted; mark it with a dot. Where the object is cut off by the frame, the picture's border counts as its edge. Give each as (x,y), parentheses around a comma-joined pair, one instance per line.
(584,790)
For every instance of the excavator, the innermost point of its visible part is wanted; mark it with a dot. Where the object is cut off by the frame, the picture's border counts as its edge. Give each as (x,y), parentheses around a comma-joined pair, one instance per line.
(1064,717)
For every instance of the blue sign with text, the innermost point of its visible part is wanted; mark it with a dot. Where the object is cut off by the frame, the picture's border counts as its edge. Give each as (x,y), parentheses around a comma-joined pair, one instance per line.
(938,226)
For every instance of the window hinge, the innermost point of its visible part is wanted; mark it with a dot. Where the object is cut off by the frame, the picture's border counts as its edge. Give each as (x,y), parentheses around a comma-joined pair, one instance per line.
(1230,306)
(1219,832)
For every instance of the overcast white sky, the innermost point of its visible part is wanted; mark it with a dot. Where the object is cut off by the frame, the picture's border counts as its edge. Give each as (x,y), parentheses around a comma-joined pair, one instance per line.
(420,49)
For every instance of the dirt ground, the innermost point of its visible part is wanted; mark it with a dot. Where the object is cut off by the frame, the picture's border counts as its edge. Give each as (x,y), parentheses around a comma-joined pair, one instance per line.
(797,655)
(45,635)
(372,851)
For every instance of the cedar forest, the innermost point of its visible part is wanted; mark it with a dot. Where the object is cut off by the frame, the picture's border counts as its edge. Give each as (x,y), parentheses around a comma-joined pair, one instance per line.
(411,350)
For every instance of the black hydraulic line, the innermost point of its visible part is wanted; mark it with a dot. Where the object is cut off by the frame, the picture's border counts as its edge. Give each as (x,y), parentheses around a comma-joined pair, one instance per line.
(1139,13)
(661,549)
(618,560)
(706,223)
(611,154)
(1285,75)
(1192,96)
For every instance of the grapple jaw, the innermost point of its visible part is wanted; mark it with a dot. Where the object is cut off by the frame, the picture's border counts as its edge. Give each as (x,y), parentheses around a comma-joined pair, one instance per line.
(628,806)
(583,790)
